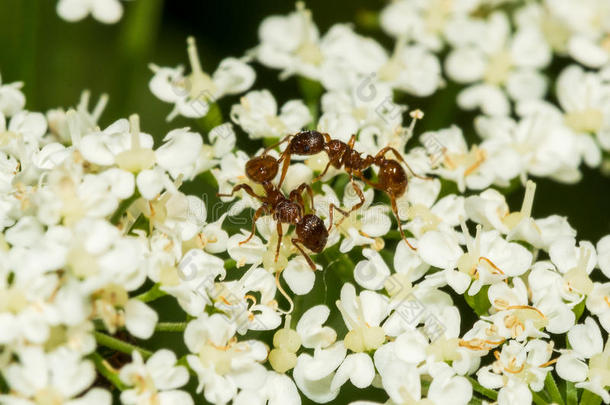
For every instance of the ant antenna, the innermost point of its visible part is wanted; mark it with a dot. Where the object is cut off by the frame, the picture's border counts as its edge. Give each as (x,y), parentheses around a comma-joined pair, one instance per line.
(283,292)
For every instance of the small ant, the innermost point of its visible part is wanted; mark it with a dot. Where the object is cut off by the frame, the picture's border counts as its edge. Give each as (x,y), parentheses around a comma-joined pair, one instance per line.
(310,229)
(392,177)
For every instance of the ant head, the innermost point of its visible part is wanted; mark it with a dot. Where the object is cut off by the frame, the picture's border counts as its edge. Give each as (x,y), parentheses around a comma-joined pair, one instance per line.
(335,149)
(262,168)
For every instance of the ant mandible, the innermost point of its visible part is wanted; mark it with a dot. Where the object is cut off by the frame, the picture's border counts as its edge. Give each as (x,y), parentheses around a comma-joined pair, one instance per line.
(392,177)
(310,229)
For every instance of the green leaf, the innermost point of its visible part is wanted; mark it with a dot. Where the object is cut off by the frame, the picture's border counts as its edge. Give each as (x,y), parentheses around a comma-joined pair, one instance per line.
(538,399)
(589,398)
(479,302)
(571,394)
(579,309)
(552,390)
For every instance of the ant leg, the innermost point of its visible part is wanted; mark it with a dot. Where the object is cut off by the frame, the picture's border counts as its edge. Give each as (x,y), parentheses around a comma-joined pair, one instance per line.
(306,187)
(398,156)
(356,207)
(246,188)
(368,182)
(332,208)
(280,234)
(319,176)
(285,161)
(296,242)
(402,233)
(352,141)
(275,145)
(257,214)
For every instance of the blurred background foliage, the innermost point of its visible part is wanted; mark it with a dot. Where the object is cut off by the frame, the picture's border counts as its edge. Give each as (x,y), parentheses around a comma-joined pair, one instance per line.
(57,60)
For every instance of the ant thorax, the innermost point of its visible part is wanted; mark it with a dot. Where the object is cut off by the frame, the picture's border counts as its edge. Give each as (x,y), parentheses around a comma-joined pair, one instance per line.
(288,212)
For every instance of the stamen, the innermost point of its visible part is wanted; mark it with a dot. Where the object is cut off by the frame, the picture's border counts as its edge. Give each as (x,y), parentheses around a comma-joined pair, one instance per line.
(415,116)
(512,371)
(528,199)
(352,323)
(466,234)
(99,108)
(491,264)
(481,156)
(527,307)
(134,125)
(83,103)
(193,56)
(548,363)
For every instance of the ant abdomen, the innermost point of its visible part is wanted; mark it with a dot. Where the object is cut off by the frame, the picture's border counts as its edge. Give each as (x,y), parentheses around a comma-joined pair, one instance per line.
(307,143)
(312,232)
(392,178)
(262,168)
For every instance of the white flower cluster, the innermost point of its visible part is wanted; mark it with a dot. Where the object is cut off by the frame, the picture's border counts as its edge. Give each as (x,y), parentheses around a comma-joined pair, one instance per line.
(481,303)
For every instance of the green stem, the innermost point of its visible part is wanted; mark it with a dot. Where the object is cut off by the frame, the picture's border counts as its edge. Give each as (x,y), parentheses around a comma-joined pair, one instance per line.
(119,345)
(136,42)
(552,389)
(154,293)
(491,394)
(106,370)
(171,326)
(589,398)
(212,119)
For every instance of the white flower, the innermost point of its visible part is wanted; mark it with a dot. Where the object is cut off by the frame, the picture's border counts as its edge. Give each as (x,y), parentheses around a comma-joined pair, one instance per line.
(60,376)
(223,365)
(585,25)
(603,255)
(423,22)
(586,341)
(597,303)
(12,99)
(155,381)
(290,43)
(105,11)
(488,54)
(193,94)
(476,167)
(584,98)
(363,226)
(516,367)
(257,114)
(547,147)
(412,69)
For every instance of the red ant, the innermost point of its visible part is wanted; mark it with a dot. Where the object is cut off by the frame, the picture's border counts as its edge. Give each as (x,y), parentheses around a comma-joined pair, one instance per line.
(392,177)
(310,229)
